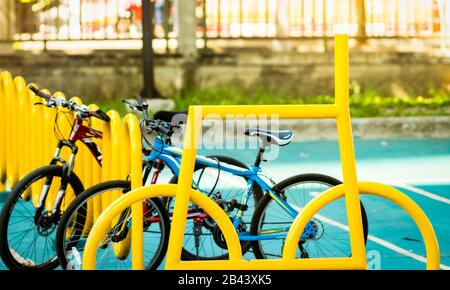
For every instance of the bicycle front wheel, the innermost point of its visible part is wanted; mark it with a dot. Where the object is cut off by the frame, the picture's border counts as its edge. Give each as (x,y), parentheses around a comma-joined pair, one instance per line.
(73,231)
(27,234)
(326,234)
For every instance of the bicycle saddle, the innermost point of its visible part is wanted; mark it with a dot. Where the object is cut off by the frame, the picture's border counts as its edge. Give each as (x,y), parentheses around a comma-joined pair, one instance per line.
(280,138)
(175,118)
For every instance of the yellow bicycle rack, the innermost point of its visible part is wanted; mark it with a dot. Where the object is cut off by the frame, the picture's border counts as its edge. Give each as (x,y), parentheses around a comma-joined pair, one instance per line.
(27,139)
(3,129)
(131,162)
(183,192)
(110,147)
(9,121)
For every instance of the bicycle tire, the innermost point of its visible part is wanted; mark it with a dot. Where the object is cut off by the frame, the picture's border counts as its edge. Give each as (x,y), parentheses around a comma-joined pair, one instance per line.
(280,187)
(5,252)
(98,189)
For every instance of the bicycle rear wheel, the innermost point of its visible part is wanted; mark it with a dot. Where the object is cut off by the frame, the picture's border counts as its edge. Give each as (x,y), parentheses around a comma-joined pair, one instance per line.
(113,254)
(27,235)
(325,236)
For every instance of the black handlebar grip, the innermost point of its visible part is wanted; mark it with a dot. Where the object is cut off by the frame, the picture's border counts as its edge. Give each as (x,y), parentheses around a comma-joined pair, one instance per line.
(163,129)
(39,93)
(99,114)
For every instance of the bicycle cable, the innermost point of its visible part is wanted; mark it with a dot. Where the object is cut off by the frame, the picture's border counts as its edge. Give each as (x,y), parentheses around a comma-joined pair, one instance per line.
(217,179)
(56,127)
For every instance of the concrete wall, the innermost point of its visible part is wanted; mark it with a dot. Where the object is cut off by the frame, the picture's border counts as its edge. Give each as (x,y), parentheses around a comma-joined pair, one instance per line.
(117,74)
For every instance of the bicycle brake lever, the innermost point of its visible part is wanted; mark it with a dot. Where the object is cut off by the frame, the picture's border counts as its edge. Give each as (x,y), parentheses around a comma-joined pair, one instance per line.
(132,106)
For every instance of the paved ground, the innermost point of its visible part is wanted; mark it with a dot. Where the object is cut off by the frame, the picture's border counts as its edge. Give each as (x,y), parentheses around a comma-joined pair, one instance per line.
(419,168)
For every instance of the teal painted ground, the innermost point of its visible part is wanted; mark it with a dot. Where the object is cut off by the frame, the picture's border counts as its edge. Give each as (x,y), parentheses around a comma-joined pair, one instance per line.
(423,166)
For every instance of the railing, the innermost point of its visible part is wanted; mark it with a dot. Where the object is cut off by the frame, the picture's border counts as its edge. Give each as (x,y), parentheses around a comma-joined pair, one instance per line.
(316,18)
(240,19)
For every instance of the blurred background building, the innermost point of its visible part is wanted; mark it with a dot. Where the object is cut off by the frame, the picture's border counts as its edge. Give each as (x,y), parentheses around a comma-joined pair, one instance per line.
(253,41)
(49,20)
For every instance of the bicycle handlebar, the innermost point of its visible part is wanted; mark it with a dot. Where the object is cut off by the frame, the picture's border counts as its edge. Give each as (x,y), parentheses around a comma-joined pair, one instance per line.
(99,114)
(39,93)
(82,110)
(160,126)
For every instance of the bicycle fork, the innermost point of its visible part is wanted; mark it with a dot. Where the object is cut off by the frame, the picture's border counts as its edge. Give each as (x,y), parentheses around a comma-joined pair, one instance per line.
(67,170)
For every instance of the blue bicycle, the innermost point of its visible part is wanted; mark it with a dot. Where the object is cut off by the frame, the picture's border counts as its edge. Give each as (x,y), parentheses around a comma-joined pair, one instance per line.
(237,189)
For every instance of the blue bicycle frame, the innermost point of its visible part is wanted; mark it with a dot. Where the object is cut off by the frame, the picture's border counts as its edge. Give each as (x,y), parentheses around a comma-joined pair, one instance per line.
(171,156)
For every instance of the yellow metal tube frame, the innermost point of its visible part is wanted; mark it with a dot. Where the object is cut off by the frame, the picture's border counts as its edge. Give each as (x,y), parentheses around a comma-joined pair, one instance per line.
(27,141)
(350,189)
(131,164)
(3,146)
(10,101)
(110,146)
(288,262)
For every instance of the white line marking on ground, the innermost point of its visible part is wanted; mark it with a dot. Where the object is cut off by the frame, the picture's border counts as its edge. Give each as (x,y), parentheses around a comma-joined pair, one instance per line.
(379,241)
(423,192)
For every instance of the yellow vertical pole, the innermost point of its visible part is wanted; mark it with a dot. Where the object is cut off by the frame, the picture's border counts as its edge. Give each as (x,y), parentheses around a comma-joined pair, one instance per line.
(2,137)
(96,169)
(48,134)
(184,186)
(36,135)
(23,124)
(78,168)
(24,116)
(36,127)
(53,141)
(131,153)
(12,173)
(110,145)
(346,148)
(87,182)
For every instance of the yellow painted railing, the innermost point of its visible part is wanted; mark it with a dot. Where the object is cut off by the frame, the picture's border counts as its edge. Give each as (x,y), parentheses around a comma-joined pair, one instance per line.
(183,192)
(27,140)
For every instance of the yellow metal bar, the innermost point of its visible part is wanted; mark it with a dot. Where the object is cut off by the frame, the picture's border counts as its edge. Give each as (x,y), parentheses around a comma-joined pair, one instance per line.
(23,123)
(12,170)
(371,188)
(110,145)
(346,149)
(37,159)
(416,213)
(169,190)
(280,111)
(48,134)
(131,151)
(96,169)
(86,173)
(288,261)
(193,125)
(3,137)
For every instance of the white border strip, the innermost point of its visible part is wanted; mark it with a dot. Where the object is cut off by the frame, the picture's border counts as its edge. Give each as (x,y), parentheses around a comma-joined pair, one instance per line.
(423,192)
(380,242)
